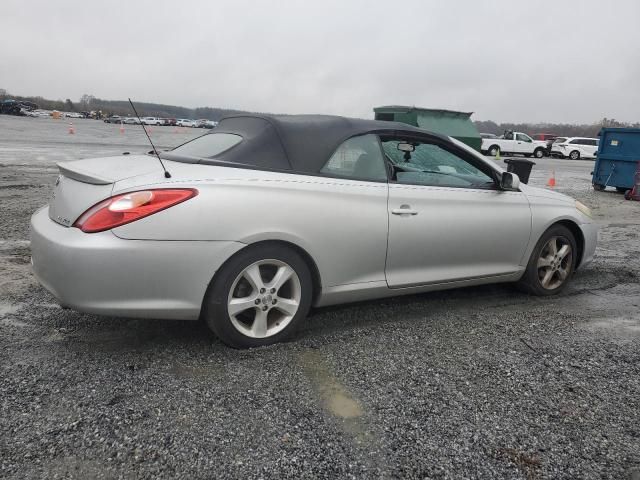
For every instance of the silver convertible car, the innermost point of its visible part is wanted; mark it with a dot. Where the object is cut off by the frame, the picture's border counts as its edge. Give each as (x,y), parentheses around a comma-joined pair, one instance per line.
(267,216)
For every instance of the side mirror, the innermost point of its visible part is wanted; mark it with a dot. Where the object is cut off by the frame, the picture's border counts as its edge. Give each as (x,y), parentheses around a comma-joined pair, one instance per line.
(509,181)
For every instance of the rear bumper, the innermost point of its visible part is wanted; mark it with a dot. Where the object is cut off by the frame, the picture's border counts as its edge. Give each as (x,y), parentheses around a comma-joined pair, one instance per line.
(103,274)
(590,234)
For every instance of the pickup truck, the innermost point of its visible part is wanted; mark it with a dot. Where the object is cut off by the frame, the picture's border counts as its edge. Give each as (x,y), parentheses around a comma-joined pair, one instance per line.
(514,142)
(152,121)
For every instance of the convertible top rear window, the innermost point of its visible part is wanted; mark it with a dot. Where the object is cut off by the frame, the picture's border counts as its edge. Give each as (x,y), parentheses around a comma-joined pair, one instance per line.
(208,146)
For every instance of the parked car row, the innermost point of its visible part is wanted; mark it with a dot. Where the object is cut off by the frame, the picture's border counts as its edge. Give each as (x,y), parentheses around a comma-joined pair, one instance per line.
(158,121)
(539,145)
(48,113)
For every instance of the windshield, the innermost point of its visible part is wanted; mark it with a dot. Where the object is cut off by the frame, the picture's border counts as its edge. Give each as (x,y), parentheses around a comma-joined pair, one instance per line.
(208,146)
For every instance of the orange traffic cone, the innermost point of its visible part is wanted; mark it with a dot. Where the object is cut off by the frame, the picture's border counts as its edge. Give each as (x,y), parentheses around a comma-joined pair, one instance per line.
(122,128)
(552,179)
(71,129)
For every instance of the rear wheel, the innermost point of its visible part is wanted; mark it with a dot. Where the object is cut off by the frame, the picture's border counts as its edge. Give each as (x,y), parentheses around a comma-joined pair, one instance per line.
(259,297)
(539,152)
(494,150)
(552,262)
(574,155)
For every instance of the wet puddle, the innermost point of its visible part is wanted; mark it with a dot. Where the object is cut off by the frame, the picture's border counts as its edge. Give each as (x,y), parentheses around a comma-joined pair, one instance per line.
(335,397)
(618,325)
(8,309)
(181,370)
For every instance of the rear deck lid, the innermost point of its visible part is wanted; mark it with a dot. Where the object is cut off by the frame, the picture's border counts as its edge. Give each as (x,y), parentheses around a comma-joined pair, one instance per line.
(83,183)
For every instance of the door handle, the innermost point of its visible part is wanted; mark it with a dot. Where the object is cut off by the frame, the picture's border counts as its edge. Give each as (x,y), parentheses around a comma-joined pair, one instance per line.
(404,210)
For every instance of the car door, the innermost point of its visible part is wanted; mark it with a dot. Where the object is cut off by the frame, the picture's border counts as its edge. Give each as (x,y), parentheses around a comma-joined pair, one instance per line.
(524,143)
(447,219)
(591,147)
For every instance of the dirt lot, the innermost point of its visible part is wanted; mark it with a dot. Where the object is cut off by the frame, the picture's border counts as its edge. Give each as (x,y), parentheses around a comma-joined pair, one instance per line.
(471,383)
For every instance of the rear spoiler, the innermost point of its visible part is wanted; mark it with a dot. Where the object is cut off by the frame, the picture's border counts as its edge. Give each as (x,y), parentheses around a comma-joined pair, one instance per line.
(72,171)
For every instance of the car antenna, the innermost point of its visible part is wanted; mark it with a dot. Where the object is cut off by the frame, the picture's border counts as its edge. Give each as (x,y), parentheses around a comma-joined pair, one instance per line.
(166,172)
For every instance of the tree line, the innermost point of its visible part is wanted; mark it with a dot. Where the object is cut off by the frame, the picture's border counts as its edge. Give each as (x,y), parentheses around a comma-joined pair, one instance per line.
(88,103)
(560,129)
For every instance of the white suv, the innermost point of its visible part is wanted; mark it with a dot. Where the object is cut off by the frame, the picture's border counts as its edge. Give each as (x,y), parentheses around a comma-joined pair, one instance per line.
(185,122)
(152,121)
(575,148)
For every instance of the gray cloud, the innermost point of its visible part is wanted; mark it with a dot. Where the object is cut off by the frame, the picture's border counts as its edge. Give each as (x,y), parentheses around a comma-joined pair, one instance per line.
(574,61)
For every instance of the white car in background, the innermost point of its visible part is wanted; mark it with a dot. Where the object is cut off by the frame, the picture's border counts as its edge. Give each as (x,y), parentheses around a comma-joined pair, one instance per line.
(185,122)
(152,121)
(514,142)
(39,113)
(575,148)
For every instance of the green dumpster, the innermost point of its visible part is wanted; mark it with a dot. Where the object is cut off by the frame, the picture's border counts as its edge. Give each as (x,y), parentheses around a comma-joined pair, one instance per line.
(446,122)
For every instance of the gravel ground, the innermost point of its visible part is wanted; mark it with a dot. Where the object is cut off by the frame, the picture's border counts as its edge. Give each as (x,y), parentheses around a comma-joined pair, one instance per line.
(471,383)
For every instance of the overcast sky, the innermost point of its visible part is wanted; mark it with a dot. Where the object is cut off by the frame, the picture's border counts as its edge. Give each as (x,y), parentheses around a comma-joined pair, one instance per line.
(557,61)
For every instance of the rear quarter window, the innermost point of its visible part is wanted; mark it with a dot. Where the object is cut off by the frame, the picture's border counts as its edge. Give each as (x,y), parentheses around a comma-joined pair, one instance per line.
(208,146)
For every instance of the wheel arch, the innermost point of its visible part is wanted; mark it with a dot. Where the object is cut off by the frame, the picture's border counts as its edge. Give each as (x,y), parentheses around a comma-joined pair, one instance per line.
(577,234)
(539,149)
(316,279)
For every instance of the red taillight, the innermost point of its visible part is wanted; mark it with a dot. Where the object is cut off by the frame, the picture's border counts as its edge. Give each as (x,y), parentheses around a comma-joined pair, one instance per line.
(129,207)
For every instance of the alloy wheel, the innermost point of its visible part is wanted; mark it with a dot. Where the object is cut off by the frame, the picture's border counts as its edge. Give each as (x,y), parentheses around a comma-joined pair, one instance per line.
(264,298)
(554,263)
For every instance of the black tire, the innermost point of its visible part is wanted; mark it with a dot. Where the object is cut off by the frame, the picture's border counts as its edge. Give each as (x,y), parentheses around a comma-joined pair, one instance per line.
(539,152)
(598,187)
(574,155)
(215,309)
(530,281)
(494,150)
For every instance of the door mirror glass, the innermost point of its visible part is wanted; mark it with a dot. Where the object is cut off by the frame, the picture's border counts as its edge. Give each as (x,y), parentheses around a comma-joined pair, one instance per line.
(509,181)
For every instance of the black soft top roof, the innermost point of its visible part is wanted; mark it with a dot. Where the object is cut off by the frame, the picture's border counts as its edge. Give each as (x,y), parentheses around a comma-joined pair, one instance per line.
(302,143)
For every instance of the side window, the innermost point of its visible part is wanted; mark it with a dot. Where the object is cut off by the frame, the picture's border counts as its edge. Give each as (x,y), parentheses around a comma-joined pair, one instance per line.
(419,163)
(523,138)
(359,158)
(575,142)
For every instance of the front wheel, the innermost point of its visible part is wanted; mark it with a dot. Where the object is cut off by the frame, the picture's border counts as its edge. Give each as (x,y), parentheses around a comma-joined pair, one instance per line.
(259,297)
(539,153)
(552,262)
(574,155)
